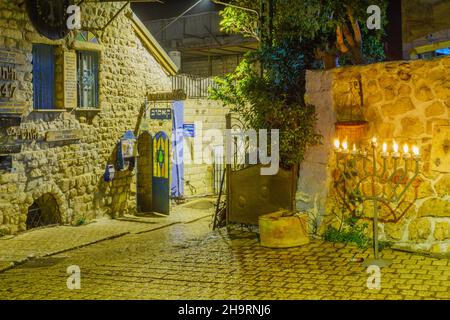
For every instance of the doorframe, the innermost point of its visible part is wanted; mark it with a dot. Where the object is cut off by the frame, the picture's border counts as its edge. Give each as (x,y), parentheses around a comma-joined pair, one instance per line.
(138,207)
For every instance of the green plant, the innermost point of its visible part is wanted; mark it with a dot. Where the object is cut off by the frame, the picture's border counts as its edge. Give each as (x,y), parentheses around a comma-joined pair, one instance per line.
(80,221)
(335,27)
(351,232)
(384,245)
(275,99)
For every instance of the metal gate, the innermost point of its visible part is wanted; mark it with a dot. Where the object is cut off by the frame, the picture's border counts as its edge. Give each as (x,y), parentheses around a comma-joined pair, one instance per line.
(250,194)
(43,212)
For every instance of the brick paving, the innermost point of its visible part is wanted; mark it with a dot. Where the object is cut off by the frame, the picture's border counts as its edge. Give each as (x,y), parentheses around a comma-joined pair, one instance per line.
(189,261)
(43,242)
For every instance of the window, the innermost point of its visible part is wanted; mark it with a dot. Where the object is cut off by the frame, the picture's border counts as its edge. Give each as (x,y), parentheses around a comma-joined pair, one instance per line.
(87,62)
(43,76)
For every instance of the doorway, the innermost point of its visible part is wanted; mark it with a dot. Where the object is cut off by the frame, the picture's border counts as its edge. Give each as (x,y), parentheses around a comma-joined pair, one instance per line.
(43,212)
(160,181)
(144,173)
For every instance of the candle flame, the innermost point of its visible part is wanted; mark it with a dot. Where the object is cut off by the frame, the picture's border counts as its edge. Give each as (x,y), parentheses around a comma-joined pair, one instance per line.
(385,147)
(345,145)
(415,150)
(354,147)
(405,149)
(395,147)
(337,143)
(374,140)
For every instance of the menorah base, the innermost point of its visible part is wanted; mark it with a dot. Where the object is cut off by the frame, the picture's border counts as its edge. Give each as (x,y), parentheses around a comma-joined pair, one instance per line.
(377,262)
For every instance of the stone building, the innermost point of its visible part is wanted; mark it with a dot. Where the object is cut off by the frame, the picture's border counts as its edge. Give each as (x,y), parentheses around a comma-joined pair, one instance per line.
(194,37)
(65,104)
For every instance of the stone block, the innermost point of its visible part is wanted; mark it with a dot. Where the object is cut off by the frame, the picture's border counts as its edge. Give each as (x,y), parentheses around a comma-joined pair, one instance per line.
(424,93)
(393,231)
(436,109)
(435,208)
(442,186)
(441,231)
(419,229)
(400,106)
(412,127)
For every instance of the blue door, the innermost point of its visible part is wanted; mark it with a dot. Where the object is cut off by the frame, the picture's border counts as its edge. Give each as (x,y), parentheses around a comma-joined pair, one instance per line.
(160,185)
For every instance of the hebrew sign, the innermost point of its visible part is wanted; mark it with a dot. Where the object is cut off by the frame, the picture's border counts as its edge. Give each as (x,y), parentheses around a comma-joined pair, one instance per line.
(161,114)
(70,80)
(63,135)
(9,83)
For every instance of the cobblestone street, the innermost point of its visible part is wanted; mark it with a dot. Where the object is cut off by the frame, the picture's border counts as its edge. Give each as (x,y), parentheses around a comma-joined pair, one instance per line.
(189,261)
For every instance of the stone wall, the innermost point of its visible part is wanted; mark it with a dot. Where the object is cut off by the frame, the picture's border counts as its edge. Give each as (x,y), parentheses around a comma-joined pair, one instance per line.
(408,102)
(211,114)
(72,171)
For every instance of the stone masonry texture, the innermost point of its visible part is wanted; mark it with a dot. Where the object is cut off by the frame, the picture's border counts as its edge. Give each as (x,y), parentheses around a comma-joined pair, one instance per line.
(72,171)
(405,101)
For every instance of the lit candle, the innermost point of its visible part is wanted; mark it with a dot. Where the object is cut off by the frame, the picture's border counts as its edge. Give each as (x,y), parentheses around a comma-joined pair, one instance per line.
(374,142)
(345,147)
(385,154)
(354,151)
(406,154)
(416,152)
(337,144)
(395,154)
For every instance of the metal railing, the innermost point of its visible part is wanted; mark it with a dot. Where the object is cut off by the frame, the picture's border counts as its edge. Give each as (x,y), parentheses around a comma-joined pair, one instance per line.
(193,86)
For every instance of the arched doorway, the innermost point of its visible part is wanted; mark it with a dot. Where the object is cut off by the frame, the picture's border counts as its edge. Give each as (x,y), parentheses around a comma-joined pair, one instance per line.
(43,212)
(144,173)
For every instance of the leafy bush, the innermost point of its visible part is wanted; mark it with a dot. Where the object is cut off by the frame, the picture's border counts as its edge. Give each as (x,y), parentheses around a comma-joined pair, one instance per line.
(81,220)
(355,235)
(273,100)
(350,232)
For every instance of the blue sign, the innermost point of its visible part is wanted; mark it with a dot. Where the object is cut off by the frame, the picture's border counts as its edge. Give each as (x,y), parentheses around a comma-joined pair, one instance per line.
(189,130)
(161,114)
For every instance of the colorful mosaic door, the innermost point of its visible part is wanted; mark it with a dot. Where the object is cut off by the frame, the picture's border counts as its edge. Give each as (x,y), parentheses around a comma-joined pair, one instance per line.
(161,185)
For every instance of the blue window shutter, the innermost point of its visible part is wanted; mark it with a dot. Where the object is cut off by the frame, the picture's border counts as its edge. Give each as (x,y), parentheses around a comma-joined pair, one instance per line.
(43,76)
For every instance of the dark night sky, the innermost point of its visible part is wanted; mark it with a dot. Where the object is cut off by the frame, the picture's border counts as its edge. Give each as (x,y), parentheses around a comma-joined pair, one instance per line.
(171,8)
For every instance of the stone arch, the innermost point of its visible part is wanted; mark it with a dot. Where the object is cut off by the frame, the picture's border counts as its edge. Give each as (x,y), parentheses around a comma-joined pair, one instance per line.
(40,190)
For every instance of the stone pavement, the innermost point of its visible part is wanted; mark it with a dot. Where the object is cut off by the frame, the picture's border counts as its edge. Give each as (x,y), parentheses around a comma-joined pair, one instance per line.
(189,261)
(43,242)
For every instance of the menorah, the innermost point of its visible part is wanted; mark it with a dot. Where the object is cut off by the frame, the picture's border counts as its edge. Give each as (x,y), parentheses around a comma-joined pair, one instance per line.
(388,179)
